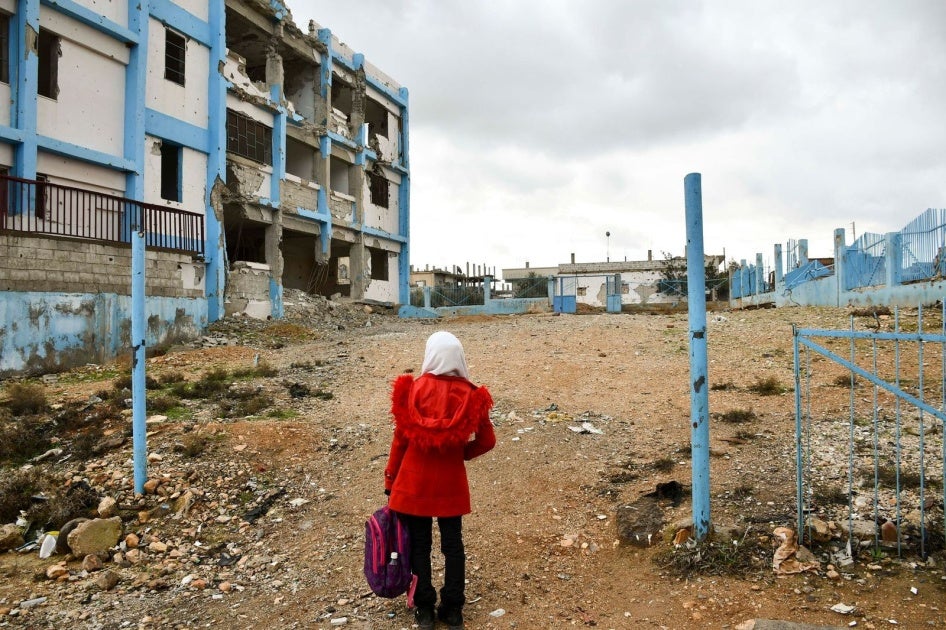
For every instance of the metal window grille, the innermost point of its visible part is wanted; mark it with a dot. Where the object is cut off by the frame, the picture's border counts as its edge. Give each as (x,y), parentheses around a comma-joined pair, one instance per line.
(249,138)
(174,49)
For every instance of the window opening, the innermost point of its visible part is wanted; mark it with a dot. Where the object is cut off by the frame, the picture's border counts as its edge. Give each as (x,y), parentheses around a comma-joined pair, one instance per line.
(48,52)
(170,172)
(379,264)
(378,189)
(249,138)
(376,115)
(174,49)
(4,48)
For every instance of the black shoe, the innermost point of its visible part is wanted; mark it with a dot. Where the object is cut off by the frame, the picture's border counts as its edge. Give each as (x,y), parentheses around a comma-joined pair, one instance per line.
(424,616)
(453,617)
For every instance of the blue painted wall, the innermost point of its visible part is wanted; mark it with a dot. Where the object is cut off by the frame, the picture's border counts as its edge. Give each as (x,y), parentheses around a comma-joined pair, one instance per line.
(45,331)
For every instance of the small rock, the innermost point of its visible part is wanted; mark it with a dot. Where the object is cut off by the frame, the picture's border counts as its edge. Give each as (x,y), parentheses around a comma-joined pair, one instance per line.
(151,485)
(10,537)
(134,556)
(57,571)
(92,563)
(226,587)
(95,536)
(499,612)
(131,541)
(199,584)
(833,575)
(30,603)
(107,507)
(106,580)
(157,547)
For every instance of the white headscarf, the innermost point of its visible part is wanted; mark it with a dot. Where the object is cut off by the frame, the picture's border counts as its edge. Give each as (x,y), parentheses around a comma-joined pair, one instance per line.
(444,356)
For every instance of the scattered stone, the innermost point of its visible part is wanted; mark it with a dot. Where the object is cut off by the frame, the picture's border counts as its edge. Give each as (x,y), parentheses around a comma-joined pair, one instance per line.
(62,542)
(819,530)
(92,563)
(57,571)
(132,540)
(499,612)
(151,486)
(134,556)
(108,507)
(11,537)
(157,547)
(31,603)
(95,536)
(107,580)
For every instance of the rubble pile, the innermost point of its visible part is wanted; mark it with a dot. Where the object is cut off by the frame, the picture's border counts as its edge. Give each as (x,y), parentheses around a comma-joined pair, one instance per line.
(195,529)
(313,312)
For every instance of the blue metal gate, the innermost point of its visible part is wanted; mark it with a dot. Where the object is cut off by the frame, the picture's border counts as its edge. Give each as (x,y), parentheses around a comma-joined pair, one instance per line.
(892,388)
(565,297)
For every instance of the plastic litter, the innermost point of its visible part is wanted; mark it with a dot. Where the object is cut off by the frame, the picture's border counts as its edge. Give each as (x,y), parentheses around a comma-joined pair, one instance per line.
(48,545)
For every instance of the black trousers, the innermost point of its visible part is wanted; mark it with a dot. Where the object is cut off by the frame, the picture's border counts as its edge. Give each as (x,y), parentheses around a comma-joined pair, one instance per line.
(451,545)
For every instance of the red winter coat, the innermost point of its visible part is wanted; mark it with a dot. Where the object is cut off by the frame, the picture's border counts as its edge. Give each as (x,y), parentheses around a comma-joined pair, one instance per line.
(439,423)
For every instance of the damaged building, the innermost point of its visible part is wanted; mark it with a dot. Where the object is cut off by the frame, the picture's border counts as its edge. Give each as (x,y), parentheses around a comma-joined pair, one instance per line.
(255,156)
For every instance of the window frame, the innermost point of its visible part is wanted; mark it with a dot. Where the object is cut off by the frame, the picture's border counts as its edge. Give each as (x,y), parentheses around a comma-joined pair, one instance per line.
(175,57)
(249,138)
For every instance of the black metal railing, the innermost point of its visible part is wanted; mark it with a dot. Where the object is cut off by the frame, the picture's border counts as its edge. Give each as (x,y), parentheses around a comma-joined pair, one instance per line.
(40,207)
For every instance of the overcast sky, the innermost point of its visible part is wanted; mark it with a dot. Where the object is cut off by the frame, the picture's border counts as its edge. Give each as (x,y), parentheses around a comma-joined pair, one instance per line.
(538,126)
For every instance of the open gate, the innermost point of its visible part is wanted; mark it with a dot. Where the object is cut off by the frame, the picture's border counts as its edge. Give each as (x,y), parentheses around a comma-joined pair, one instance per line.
(870,411)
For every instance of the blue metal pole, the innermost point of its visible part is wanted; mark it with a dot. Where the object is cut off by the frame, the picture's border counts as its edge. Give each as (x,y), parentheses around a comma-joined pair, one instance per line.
(699,386)
(134,150)
(139,443)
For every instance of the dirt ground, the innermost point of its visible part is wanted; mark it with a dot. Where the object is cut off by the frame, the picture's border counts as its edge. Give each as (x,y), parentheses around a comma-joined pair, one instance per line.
(542,543)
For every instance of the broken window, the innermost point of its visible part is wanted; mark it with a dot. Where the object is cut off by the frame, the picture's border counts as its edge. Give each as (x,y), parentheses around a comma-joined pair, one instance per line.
(300,159)
(339,175)
(4,48)
(48,76)
(171,164)
(376,115)
(379,263)
(249,138)
(582,290)
(174,48)
(378,189)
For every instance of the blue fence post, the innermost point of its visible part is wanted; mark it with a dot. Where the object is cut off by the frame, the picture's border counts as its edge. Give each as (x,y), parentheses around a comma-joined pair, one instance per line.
(759,275)
(699,387)
(893,248)
(138,327)
(779,273)
(426,297)
(839,251)
(487,289)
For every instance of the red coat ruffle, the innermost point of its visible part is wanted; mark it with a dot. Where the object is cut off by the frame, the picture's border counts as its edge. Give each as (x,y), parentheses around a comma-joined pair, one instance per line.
(439,423)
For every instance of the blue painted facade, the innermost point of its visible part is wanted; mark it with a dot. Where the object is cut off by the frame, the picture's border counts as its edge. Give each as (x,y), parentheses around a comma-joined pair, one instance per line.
(125,166)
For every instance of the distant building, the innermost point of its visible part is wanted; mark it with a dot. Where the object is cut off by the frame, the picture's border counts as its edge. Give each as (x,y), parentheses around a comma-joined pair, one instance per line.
(639,282)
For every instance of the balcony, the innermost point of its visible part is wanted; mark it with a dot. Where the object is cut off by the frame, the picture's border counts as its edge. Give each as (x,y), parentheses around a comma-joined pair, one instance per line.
(39,207)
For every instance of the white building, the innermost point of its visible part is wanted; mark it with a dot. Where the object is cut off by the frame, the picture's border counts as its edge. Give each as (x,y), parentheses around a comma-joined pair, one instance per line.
(255,156)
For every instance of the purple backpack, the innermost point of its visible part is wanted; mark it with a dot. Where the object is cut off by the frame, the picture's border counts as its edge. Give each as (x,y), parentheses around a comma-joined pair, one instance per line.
(387,554)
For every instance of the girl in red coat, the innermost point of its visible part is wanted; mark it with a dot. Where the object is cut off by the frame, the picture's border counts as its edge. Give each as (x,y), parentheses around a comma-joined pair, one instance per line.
(441,420)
